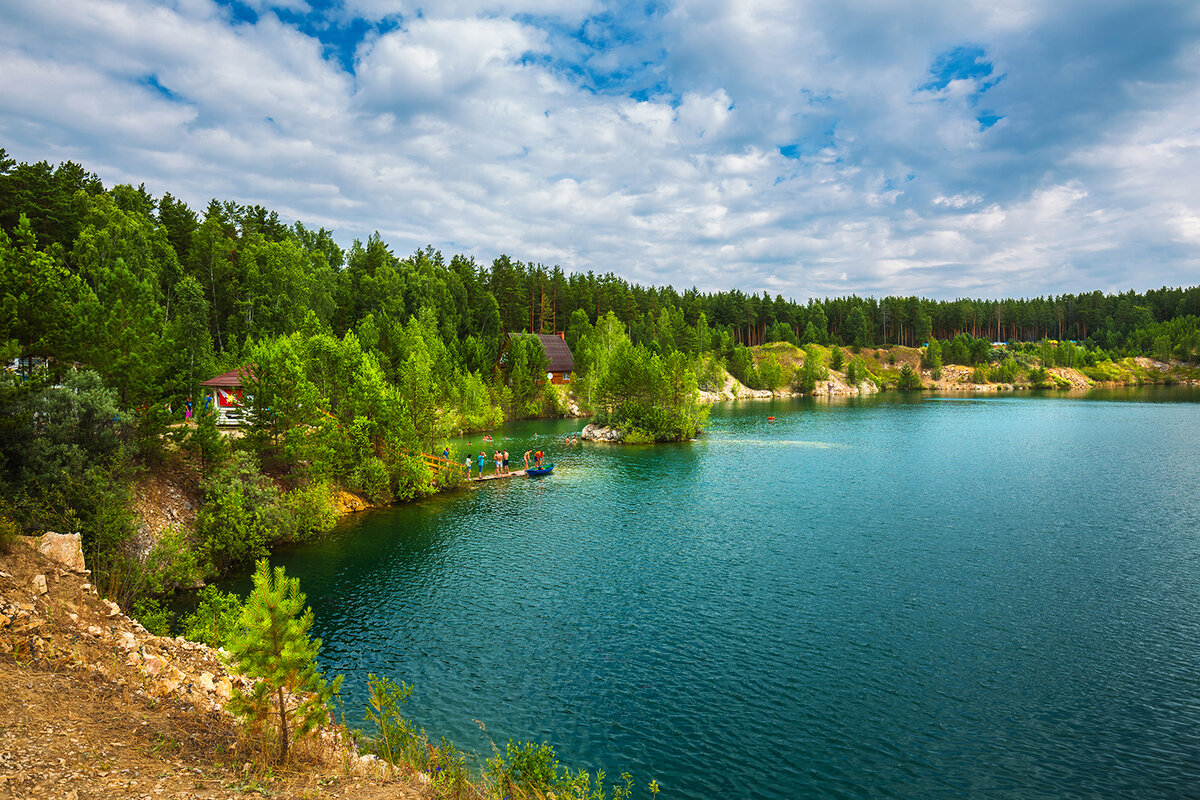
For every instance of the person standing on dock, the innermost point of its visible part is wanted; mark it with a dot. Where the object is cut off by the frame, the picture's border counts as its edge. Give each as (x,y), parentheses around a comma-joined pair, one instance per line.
(481,464)
(527,452)
(504,455)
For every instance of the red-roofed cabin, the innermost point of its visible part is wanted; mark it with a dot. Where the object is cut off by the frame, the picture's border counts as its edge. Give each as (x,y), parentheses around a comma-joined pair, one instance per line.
(225,394)
(562,362)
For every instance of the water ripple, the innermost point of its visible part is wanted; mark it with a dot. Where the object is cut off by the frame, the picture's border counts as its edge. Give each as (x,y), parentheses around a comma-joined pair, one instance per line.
(889,598)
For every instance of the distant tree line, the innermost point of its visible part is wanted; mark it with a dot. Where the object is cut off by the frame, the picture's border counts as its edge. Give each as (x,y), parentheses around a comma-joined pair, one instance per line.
(363,358)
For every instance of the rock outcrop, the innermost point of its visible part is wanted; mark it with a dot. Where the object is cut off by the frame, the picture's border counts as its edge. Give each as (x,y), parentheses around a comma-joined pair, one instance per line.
(350,503)
(65,548)
(600,433)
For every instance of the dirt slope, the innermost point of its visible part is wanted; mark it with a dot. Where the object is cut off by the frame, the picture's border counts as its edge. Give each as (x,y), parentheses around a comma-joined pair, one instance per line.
(95,707)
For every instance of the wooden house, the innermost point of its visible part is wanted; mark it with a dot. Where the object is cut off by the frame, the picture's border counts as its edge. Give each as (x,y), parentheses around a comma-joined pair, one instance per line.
(562,361)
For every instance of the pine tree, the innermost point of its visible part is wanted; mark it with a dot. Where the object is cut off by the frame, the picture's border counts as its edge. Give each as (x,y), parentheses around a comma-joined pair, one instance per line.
(279,654)
(837,358)
(206,441)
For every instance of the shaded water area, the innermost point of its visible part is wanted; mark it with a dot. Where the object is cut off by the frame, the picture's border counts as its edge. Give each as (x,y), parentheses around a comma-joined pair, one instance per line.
(900,596)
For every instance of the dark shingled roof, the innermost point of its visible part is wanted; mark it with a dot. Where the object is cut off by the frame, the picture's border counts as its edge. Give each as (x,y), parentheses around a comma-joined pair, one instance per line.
(237,377)
(557,351)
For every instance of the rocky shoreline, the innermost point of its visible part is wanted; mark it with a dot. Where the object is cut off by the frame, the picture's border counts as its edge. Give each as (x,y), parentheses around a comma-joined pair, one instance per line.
(63,644)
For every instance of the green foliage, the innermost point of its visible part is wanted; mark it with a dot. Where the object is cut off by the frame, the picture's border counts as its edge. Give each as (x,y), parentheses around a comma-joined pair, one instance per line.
(205,441)
(742,367)
(633,388)
(711,377)
(909,379)
(966,350)
(856,328)
(396,734)
(154,616)
(1106,371)
(241,513)
(170,564)
(308,510)
(216,620)
(524,365)
(811,372)
(9,530)
(532,770)
(837,358)
(770,374)
(400,742)
(1005,372)
(1041,378)
(276,651)
(372,478)
(931,359)
(856,372)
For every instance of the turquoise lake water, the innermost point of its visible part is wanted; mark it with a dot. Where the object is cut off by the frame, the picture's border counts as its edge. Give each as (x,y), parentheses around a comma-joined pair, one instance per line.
(913,597)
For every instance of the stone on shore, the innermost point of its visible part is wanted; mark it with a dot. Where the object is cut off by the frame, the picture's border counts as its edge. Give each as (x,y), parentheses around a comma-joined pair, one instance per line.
(65,548)
(600,433)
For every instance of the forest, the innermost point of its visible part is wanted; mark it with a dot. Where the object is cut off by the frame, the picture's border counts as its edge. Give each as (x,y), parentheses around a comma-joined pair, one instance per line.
(116,305)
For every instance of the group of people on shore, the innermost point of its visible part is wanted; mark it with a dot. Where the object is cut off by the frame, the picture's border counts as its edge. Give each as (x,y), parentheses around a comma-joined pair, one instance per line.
(499,463)
(475,466)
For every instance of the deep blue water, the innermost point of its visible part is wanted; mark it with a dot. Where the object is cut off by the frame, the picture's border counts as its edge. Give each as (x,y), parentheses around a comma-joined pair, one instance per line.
(895,597)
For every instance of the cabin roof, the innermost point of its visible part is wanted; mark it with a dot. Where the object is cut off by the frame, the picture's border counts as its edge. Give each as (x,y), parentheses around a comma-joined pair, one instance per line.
(561,359)
(235,377)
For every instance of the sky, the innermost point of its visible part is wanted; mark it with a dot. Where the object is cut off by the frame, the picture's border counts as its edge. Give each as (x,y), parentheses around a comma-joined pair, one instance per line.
(968,148)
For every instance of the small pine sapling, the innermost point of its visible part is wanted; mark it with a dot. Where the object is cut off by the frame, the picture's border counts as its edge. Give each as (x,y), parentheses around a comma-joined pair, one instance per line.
(278,653)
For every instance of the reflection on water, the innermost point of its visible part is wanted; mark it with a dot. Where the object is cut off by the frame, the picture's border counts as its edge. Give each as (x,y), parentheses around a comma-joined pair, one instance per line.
(886,596)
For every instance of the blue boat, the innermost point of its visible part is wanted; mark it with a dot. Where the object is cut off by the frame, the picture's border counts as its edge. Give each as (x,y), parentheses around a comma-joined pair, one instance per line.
(535,472)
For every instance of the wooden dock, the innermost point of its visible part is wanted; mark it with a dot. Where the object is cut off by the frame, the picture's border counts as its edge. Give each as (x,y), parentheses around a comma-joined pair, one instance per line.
(514,474)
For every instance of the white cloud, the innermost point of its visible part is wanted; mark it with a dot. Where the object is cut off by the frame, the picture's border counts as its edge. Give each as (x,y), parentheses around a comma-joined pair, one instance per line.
(496,128)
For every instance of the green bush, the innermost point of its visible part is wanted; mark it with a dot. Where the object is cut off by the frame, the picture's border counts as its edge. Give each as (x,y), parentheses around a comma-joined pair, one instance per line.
(171,563)
(770,374)
(400,742)
(637,436)
(8,531)
(1006,372)
(413,478)
(372,478)
(1105,371)
(308,511)
(241,513)
(837,358)
(811,372)
(216,619)
(154,616)
(909,379)
(856,372)
(712,375)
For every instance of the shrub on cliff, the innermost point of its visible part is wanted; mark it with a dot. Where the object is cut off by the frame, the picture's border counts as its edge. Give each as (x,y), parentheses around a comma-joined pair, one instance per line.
(216,618)
(909,378)
(812,372)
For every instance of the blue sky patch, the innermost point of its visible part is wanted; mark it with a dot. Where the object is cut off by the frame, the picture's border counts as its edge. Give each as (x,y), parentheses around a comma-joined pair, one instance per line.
(151,82)
(988,120)
(960,63)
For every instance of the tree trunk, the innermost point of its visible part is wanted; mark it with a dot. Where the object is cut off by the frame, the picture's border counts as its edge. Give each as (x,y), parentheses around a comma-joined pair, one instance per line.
(283,731)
